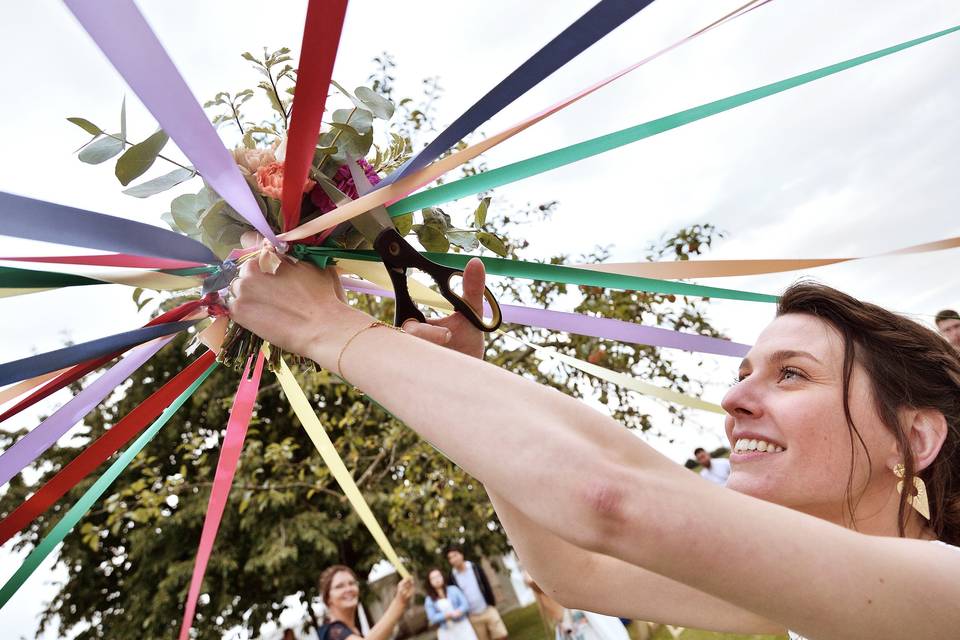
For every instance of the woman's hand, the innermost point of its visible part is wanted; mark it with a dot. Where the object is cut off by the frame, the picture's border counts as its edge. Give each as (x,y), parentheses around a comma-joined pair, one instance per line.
(298,308)
(404,591)
(455,331)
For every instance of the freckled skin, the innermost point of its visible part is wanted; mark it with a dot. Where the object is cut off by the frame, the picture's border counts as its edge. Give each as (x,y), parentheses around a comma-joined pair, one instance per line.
(794,401)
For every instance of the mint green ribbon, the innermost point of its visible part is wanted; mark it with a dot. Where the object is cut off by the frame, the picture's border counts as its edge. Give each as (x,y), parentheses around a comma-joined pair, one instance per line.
(545,272)
(73,516)
(554,159)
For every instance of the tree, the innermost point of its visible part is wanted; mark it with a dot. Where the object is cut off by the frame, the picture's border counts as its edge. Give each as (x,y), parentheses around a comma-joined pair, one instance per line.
(130,561)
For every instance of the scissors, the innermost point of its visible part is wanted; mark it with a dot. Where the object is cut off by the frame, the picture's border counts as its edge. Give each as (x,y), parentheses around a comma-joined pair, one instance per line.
(377,226)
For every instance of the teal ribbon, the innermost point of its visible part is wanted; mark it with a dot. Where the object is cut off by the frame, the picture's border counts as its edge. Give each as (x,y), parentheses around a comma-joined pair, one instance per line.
(546,272)
(567,155)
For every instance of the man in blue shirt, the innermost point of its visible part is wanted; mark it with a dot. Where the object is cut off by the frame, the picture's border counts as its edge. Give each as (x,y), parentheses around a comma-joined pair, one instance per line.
(473,581)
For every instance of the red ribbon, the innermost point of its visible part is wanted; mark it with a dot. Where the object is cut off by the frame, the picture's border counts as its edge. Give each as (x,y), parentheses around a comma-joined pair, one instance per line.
(112,260)
(321,36)
(104,447)
(222,481)
(78,371)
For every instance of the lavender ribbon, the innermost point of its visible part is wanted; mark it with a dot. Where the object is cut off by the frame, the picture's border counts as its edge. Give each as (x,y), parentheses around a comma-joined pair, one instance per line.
(31,446)
(121,32)
(606,328)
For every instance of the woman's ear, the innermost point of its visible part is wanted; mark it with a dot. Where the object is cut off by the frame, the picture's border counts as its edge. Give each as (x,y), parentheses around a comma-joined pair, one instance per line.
(926,431)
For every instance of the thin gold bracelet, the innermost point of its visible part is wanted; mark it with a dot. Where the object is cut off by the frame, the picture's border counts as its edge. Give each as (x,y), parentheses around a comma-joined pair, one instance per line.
(375,323)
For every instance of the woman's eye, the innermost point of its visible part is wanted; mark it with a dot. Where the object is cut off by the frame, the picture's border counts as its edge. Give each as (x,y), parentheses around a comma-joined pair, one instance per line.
(788,373)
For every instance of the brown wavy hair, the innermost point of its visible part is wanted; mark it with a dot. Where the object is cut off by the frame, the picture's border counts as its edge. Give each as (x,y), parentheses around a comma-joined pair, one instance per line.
(326,579)
(908,366)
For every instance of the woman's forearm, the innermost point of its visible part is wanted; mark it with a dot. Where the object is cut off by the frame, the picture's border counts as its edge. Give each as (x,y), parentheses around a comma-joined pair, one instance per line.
(383,629)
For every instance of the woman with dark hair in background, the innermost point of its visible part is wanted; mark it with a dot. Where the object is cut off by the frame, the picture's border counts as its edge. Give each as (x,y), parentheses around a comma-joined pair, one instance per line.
(839,513)
(447,607)
(340,591)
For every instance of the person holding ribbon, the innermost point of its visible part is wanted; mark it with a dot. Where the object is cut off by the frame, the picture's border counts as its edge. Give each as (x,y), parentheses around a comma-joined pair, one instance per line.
(838,523)
(340,591)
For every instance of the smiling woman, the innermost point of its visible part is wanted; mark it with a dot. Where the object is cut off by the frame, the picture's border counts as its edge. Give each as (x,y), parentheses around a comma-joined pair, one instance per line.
(839,405)
(340,591)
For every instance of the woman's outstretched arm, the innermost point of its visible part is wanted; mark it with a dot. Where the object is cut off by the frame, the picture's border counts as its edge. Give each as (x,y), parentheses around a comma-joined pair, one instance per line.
(626,500)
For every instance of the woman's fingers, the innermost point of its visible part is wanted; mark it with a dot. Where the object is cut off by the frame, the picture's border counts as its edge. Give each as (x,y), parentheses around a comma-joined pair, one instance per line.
(474,282)
(250,239)
(428,332)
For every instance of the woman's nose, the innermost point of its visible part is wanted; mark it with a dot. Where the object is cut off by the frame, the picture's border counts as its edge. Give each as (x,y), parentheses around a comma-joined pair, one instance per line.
(743,399)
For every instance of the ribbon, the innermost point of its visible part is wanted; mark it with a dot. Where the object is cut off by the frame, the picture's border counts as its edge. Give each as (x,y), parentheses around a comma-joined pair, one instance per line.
(31,219)
(121,32)
(73,516)
(550,273)
(597,327)
(567,155)
(110,260)
(66,276)
(592,26)
(102,448)
(724,268)
(388,193)
(9,293)
(13,391)
(237,425)
(67,376)
(306,416)
(17,370)
(621,379)
(431,298)
(29,447)
(318,51)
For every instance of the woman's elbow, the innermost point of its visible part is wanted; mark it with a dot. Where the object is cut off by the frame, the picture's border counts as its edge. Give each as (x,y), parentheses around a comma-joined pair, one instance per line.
(605,500)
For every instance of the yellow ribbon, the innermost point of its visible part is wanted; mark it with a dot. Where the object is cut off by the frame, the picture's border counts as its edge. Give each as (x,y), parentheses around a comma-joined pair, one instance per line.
(376,273)
(311,424)
(22,291)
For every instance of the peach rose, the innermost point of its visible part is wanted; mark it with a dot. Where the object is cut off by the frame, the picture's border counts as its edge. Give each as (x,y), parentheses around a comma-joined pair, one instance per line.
(250,160)
(270,180)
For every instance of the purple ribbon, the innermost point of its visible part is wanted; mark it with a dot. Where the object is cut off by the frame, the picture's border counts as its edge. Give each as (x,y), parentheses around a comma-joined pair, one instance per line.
(121,32)
(606,328)
(31,446)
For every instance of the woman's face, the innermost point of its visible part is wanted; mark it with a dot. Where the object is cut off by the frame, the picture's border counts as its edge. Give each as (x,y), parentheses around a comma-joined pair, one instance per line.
(788,435)
(436,579)
(344,591)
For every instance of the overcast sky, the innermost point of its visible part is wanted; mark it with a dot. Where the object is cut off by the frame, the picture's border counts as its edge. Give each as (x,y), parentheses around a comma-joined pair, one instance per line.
(856,164)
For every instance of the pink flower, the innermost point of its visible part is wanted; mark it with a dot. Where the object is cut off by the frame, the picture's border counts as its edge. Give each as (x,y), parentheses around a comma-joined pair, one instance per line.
(270,180)
(345,183)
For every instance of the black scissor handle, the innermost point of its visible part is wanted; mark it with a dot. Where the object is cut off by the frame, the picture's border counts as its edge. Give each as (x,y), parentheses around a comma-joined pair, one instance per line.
(398,256)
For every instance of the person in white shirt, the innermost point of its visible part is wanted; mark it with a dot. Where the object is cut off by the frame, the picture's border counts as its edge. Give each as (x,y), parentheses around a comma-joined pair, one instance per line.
(716,470)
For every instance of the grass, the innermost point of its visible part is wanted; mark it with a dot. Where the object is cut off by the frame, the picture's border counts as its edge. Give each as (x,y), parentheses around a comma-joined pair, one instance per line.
(525,624)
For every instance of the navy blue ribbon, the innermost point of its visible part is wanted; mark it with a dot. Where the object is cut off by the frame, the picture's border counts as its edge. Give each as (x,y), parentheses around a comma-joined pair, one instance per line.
(37,365)
(31,219)
(596,23)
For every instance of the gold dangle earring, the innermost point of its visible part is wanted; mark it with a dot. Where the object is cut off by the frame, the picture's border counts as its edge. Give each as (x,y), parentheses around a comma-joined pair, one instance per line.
(919,499)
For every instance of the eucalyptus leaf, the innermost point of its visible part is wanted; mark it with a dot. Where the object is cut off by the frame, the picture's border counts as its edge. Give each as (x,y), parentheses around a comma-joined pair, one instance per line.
(350,143)
(493,243)
(436,217)
(167,217)
(360,119)
(380,106)
(136,160)
(100,150)
(480,215)
(87,126)
(219,230)
(186,213)
(161,184)
(466,240)
(432,238)
(403,223)
(349,95)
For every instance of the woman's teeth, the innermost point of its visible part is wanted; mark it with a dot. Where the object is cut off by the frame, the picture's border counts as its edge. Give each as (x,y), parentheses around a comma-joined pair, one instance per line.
(745,444)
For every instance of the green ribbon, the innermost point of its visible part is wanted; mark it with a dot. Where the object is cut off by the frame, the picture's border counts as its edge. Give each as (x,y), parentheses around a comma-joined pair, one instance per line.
(546,272)
(554,159)
(73,516)
(13,278)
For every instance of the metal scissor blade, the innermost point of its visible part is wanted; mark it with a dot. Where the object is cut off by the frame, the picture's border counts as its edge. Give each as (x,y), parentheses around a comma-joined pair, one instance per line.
(371,223)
